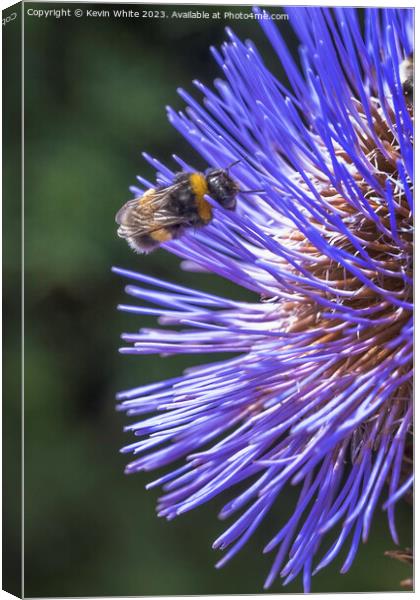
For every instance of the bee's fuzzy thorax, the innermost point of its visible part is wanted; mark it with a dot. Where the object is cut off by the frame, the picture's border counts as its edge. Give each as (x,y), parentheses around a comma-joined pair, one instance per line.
(200,189)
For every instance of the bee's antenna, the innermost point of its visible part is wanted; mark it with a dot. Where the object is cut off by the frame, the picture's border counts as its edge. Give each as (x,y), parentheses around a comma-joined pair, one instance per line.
(232,164)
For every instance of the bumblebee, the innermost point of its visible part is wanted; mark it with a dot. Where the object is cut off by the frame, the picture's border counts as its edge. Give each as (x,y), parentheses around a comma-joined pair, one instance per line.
(164,213)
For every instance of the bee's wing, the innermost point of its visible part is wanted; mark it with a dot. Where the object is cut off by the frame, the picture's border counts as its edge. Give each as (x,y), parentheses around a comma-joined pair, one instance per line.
(146,214)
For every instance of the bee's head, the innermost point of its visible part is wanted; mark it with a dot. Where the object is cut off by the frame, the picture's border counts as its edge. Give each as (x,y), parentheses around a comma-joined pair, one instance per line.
(222,187)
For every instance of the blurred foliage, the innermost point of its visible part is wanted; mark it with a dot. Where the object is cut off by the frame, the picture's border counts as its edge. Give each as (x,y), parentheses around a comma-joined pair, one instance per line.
(95,96)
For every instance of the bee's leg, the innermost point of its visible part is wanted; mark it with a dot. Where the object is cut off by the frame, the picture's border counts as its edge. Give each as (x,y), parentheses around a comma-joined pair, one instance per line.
(177,231)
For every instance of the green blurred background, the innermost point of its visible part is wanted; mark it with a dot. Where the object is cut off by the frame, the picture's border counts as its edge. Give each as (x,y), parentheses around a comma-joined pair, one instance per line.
(95,96)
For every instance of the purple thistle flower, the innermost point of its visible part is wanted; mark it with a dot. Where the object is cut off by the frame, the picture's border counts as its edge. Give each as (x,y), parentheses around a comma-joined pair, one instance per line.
(319,393)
